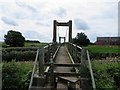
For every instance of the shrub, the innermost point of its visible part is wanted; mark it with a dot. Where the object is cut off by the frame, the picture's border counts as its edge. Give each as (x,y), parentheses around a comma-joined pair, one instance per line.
(102,52)
(107,74)
(16,75)
(19,49)
(14,38)
(98,55)
(19,55)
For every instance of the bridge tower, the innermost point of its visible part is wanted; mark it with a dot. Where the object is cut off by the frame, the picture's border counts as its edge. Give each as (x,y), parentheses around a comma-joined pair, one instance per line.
(62,38)
(55,24)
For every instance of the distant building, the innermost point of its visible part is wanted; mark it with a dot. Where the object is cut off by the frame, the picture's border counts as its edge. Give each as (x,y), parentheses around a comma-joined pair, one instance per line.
(108,41)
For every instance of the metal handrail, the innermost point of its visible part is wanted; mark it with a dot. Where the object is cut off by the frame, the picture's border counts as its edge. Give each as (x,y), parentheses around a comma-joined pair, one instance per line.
(36,58)
(47,68)
(91,72)
(89,63)
(75,45)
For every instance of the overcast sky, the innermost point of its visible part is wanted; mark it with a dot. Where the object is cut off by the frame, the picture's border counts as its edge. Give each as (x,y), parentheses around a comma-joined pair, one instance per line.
(34,18)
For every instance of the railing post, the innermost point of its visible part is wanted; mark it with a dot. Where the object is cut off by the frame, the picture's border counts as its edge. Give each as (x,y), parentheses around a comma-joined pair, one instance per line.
(75,53)
(83,70)
(41,62)
(48,57)
(41,76)
(52,78)
(83,62)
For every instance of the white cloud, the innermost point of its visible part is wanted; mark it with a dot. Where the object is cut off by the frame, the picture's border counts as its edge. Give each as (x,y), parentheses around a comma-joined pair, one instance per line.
(36,16)
(81,24)
(9,21)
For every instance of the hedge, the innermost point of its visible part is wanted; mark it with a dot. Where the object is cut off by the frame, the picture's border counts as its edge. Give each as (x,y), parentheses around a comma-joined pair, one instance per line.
(19,55)
(19,49)
(98,55)
(107,74)
(102,52)
(16,75)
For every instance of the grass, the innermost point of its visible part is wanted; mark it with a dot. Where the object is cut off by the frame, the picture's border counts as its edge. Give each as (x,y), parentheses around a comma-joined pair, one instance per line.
(27,44)
(0,44)
(103,49)
(107,74)
(16,75)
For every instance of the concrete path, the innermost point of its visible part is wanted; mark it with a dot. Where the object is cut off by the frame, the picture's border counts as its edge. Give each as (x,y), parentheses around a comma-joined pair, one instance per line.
(63,58)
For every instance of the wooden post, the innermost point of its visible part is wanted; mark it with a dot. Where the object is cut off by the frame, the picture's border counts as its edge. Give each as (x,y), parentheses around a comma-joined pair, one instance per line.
(54,31)
(41,79)
(70,31)
(41,62)
(83,62)
(64,39)
(0,77)
(52,79)
(59,39)
(75,53)
(84,82)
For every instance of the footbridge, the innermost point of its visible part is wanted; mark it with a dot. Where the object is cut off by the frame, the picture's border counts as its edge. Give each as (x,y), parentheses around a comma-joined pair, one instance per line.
(62,66)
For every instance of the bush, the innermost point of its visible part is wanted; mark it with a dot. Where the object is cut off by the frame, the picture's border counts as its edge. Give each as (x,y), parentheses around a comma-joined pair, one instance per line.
(107,74)
(98,55)
(102,52)
(14,38)
(20,49)
(16,75)
(19,55)
(32,41)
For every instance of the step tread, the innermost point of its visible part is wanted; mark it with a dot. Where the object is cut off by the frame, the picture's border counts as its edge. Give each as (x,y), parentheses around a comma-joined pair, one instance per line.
(71,79)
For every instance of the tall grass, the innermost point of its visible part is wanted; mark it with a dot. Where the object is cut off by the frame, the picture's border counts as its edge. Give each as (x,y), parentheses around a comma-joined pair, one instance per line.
(16,75)
(107,75)
(103,49)
(103,52)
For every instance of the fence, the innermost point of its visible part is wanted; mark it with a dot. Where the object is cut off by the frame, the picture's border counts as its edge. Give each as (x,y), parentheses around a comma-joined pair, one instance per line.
(43,55)
(81,55)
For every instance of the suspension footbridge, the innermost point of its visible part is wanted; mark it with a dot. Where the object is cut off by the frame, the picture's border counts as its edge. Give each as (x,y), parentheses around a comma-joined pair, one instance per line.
(62,66)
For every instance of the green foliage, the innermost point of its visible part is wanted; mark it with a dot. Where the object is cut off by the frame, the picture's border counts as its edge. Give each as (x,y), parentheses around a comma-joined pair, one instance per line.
(99,52)
(107,74)
(29,44)
(14,38)
(4,45)
(103,49)
(19,49)
(16,75)
(32,41)
(26,44)
(81,39)
(0,44)
(19,55)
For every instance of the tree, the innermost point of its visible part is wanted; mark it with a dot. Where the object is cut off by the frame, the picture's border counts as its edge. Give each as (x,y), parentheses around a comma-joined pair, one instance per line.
(81,39)
(14,38)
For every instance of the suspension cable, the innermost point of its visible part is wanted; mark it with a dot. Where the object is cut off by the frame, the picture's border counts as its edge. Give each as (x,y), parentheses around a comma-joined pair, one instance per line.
(66,34)
(58,31)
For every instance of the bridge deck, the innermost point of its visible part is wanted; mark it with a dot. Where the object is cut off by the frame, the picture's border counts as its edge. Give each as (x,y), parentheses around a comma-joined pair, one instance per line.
(63,58)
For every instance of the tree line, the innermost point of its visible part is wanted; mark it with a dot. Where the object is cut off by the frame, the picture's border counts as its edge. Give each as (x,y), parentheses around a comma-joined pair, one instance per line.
(16,39)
